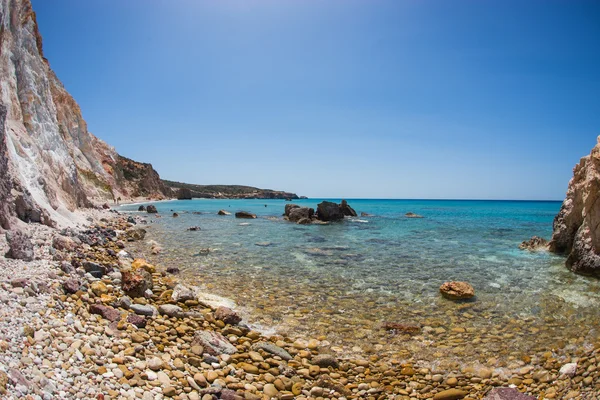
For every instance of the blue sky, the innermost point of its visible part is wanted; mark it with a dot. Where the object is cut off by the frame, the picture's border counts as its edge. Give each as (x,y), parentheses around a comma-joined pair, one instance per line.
(384,99)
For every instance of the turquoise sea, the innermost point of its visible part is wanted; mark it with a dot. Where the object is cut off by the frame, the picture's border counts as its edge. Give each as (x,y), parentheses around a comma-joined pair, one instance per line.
(342,281)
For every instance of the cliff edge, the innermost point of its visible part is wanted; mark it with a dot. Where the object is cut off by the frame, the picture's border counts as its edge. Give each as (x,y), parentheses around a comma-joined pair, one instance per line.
(49,163)
(576,228)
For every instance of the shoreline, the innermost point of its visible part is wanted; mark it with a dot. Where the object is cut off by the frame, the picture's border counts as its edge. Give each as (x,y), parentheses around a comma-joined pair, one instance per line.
(119,360)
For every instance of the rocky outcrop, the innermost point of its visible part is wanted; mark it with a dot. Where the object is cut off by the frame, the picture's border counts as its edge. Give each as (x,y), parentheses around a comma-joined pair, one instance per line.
(534,244)
(50,164)
(245,214)
(20,246)
(347,210)
(576,228)
(184,194)
(329,211)
(229,191)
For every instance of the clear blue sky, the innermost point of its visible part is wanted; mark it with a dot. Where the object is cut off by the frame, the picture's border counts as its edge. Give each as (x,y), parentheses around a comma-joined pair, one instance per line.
(371,98)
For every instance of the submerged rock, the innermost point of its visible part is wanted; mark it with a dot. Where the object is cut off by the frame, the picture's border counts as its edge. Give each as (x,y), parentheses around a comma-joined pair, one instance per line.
(457,290)
(507,394)
(412,215)
(245,214)
(533,244)
(576,228)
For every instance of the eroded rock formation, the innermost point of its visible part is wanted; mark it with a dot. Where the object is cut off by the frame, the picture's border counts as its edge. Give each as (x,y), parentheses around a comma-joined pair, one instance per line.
(576,228)
(49,163)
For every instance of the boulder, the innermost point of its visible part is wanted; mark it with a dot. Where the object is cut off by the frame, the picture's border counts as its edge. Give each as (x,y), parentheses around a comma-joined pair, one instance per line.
(347,210)
(457,290)
(213,343)
(134,284)
(329,211)
(151,209)
(142,208)
(106,312)
(244,214)
(576,228)
(60,242)
(507,394)
(223,212)
(175,215)
(288,208)
(533,244)
(227,315)
(182,293)
(20,246)
(298,213)
(184,194)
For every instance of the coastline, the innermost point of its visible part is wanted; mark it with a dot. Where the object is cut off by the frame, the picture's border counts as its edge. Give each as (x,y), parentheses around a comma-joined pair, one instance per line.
(56,340)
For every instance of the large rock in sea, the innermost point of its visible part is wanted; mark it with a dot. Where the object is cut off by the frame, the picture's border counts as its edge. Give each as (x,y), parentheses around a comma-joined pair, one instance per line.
(347,210)
(329,211)
(184,194)
(457,290)
(297,214)
(245,214)
(576,228)
(151,209)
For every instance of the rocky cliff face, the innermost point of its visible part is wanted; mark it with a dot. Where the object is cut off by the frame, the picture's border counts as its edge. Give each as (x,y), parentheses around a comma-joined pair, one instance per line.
(49,162)
(577,225)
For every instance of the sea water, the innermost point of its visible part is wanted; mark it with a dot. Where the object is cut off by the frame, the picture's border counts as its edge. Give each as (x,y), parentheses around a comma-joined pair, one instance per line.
(342,281)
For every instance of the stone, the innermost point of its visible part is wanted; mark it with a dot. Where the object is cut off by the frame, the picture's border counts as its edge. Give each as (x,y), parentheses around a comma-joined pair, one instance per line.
(182,293)
(94,269)
(450,394)
(140,309)
(273,349)
(151,209)
(507,394)
(245,214)
(173,270)
(298,213)
(106,312)
(456,290)
(20,246)
(67,267)
(71,285)
(213,343)
(270,390)
(534,244)
(193,228)
(134,284)
(170,310)
(142,208)
(63,243)
(576,228)
(223,212)
(99,288)
(135,234)
(569,369)
(329,211)
(325,360)
(347,210)
(227,315)
(154,363)
(403,328)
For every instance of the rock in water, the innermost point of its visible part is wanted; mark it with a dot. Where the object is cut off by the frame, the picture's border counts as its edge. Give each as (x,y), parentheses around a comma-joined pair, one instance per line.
(288,208)
(223,212)
(213,342)
(244,214)
(20,246)
(412,215)
(533,244)
(457,290)
(507,394)
(227,315)
(328,211)
(347,210)
(142,208)
(182,293)
(151,209)
(184,194)
(298,213)
(576,228)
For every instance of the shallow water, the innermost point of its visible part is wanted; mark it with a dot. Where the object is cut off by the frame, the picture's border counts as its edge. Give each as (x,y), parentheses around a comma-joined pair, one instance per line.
(343,280)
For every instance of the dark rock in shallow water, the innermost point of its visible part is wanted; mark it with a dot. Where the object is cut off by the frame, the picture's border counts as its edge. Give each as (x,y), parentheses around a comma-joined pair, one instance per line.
(288,208)
(412,215)
(135,234)
(298,213)
(173,270)
(142,208)
(403,328)
(364,214)
(223,212)
(328,211)
(507,394)
(245,214)
(151,209)
(20,246)
(347,210)
(193,228)
(535,243)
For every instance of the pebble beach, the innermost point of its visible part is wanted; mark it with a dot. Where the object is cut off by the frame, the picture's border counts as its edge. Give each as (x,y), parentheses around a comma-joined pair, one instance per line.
(89,319)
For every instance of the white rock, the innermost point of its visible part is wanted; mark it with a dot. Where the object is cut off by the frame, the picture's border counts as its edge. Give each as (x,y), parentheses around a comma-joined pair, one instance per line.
(569,369)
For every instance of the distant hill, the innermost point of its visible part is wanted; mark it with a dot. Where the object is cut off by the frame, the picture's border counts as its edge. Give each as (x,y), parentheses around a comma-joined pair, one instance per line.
(228,191)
